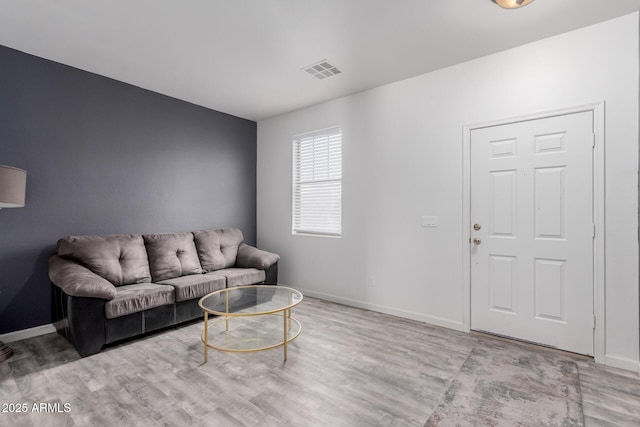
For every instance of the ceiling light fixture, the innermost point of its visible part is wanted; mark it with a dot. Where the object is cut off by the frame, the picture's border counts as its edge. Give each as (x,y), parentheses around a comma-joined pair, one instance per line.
(511,4)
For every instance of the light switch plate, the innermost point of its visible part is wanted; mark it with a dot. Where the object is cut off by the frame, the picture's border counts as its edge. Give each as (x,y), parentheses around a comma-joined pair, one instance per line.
(429,221)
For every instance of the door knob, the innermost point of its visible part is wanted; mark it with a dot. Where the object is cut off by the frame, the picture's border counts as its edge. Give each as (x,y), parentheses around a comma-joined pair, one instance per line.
(476,227)
(476,241)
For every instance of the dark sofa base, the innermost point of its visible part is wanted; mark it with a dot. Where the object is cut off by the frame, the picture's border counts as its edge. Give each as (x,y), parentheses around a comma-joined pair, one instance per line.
(82,320)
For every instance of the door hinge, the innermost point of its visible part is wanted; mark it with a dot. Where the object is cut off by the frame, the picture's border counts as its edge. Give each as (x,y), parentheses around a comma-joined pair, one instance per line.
(594,322)
(594,231)
(593,139)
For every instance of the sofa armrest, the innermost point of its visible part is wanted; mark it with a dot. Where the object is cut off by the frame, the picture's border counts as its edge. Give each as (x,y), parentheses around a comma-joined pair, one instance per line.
(251,257)
(79,281)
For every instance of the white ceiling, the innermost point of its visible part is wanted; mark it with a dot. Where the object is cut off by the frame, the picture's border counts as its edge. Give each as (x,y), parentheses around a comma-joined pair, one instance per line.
(244,57)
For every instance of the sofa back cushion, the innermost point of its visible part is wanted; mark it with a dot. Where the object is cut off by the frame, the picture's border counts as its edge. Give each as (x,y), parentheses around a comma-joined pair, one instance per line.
(171,255)
(218,249)
(121,259)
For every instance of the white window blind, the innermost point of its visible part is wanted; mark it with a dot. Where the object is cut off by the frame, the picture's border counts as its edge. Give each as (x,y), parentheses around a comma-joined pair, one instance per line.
(317,183)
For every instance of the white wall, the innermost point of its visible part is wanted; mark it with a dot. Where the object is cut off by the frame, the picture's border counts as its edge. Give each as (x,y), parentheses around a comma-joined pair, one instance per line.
(403,159)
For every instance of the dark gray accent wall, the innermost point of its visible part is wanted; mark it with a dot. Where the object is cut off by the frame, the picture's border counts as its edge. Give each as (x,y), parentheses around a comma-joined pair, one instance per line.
(105,157)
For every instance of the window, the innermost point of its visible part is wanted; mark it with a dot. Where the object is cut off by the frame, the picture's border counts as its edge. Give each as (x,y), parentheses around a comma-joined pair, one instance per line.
(317,183)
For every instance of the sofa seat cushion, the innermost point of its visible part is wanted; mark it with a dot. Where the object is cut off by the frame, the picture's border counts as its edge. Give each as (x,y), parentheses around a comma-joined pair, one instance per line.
(241,276)
(218,248)
(195,285)
(134,298)
(121,259)
(171,255)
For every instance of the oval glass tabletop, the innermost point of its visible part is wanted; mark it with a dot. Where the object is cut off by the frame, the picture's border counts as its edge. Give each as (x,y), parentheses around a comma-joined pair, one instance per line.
(251,300)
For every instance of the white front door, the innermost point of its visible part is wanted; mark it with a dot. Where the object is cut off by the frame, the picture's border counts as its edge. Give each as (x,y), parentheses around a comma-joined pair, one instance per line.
(532,231)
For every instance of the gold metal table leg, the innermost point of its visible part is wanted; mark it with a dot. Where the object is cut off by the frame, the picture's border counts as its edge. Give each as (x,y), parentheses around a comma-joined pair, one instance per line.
(206,337)
(226,318)
(285,317)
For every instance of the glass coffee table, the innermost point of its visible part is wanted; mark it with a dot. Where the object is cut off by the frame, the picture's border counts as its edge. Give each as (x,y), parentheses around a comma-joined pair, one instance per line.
(250,318)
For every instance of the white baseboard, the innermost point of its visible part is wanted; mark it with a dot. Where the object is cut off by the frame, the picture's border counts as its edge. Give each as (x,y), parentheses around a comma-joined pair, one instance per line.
(432,320)
(622,363)
(27,333)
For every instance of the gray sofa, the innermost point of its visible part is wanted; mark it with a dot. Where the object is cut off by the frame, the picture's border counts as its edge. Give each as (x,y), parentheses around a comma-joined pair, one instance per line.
(113,287)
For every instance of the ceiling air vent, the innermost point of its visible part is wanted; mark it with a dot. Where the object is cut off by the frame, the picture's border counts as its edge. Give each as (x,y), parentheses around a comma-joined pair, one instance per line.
(322,70)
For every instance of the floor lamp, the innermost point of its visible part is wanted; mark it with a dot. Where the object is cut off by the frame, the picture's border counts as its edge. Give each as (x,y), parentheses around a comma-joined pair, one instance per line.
(13,186)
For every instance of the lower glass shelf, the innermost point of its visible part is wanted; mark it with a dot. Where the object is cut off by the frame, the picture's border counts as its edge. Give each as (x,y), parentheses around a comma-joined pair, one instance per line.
(250,333)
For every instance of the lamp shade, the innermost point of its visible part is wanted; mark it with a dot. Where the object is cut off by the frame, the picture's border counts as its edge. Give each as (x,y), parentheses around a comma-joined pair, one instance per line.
(13,186)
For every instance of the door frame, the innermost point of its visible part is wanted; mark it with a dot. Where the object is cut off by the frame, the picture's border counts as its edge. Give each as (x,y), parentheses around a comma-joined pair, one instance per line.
(598,110)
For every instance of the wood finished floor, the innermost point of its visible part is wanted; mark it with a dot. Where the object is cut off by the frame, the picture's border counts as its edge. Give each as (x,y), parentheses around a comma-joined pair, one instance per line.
(349,367)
